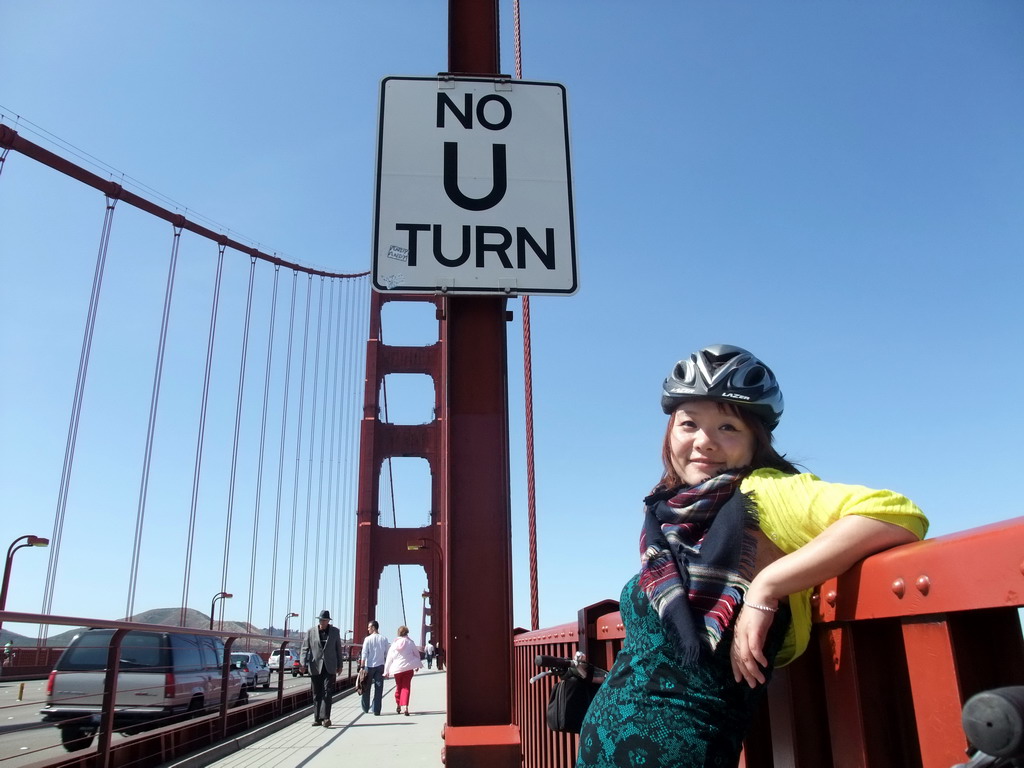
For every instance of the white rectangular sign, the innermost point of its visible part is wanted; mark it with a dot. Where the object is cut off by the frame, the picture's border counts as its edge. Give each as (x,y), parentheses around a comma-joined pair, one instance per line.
(474,188)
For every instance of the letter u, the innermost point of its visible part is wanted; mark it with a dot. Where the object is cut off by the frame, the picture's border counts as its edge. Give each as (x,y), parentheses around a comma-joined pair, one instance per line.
(451,179)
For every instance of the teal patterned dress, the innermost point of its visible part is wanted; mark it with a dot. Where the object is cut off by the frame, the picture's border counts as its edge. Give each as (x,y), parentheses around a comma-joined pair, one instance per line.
(652,712)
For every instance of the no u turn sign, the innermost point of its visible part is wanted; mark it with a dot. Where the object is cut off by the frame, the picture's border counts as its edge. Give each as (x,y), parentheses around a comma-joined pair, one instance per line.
(474,188)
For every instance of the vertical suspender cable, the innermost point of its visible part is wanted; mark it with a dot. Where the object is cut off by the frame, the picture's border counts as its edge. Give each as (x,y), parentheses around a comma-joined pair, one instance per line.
(531,496)
(238,425)
(263,444)
(76,404)
(356,375)
(394,511)
(298,439)
(322,531)
(345,456)
(312,444)
(154,401)
(333,508)
(197,472)
(281,452)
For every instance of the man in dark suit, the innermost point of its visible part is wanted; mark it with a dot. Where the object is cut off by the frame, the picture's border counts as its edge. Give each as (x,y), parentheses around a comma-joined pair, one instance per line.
(321,657)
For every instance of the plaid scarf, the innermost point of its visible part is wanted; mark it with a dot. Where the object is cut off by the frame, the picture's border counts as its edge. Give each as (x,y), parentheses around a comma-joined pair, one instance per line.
(697,558)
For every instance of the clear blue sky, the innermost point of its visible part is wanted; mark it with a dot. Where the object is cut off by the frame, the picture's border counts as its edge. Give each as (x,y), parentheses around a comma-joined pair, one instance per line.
(837,186)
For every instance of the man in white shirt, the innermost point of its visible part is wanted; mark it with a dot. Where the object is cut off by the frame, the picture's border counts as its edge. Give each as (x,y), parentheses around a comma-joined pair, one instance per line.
(428,652)
(372,657)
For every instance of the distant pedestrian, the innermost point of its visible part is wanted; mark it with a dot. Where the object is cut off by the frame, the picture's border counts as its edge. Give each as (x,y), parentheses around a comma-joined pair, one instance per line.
(372,658)
(440,658)
(402,661)
(428,653)
(321,656)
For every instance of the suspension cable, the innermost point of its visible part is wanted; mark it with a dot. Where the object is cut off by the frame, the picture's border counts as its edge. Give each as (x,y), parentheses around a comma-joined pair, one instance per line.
(312,439)
(238,425)
(133,573)
(281,452)
(352,423)
(200,439)
(298,438)
(320,526)
(531,495)
(333,509)
(263,443)
(391,490)
(76,405)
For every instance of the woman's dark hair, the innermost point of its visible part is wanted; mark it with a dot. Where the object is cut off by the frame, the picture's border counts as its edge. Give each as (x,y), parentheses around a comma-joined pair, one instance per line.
(765,455)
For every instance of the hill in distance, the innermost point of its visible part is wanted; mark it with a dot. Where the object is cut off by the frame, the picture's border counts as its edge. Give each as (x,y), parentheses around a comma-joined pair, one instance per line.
(166,616)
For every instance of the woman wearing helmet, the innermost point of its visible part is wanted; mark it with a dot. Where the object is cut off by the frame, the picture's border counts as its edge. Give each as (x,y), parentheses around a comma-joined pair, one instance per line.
(734,538)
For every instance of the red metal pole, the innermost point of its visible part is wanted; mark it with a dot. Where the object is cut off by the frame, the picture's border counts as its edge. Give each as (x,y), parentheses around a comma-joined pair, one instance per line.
(478,553)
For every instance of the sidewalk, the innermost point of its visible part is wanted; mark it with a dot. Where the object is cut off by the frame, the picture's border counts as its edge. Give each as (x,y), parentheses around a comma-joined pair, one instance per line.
(353,738)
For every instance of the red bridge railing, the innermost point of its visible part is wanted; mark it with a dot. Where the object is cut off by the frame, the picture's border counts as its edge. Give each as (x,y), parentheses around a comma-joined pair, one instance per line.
(900,642)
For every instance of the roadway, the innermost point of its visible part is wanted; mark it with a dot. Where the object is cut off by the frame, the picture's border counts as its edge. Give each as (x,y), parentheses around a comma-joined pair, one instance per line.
(25,739)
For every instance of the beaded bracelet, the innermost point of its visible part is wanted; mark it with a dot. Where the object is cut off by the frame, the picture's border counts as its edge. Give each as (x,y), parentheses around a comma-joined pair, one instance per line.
(764,608)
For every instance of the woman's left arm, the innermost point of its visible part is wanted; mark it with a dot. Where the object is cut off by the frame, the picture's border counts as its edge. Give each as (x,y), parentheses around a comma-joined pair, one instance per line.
(830,553)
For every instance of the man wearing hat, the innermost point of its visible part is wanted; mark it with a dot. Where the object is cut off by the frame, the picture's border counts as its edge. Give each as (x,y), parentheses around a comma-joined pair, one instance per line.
(321,657)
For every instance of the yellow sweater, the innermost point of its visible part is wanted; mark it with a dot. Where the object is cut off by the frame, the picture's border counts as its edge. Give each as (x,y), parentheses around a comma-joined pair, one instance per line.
(793,509)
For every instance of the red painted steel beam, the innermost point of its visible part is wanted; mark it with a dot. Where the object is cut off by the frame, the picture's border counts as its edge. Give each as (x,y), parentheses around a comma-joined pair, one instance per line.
(979,568)
(479,572)
(10,139)
(478,550)
(936,690)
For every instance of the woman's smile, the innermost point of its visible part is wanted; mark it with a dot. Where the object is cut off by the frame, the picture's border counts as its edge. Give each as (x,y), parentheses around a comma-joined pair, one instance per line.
(708,438)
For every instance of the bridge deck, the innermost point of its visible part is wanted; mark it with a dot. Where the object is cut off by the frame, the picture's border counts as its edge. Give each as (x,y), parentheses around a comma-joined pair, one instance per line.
(354,738)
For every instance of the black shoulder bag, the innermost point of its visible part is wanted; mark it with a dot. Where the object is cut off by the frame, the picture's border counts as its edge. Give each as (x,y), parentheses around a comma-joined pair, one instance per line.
(569,701)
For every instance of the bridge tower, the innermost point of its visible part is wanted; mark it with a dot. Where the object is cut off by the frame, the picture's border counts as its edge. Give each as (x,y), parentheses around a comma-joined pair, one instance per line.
(376,545)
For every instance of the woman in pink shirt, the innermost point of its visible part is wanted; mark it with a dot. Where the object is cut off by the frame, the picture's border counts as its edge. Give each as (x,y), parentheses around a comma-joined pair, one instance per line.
(402,661)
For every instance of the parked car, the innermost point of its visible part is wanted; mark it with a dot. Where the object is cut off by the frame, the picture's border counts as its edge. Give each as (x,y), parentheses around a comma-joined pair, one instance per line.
(254,669)
(291,661)
(162,676)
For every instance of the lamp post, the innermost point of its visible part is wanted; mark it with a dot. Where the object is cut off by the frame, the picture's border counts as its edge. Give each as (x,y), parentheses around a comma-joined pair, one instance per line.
(18,543)
(286,617)
(218,596)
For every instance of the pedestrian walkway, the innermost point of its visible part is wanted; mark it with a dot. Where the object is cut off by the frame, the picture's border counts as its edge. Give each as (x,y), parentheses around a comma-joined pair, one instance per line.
(354,738)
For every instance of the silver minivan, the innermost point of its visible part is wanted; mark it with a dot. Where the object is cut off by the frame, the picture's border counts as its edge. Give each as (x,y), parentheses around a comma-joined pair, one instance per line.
(162,676)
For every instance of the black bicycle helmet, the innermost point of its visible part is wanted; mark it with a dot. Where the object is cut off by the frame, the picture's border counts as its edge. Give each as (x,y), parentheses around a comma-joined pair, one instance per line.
(727,374)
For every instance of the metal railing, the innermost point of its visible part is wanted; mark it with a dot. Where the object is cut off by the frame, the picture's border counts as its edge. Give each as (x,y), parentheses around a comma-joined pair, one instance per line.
(170,738)
(900,643)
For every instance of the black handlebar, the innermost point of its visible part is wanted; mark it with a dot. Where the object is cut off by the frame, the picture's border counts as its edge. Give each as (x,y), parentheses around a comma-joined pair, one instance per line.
(552,662)
(994,721)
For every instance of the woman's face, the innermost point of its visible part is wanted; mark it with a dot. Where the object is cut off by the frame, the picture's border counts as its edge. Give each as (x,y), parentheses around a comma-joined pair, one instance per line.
(706,439)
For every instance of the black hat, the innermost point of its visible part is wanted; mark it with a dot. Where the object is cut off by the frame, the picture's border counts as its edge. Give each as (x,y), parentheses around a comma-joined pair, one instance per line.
(325,614)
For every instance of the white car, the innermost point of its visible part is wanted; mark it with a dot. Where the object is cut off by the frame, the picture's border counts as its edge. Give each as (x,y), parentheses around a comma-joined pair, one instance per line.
(163,676)
(291,661)
(253,668)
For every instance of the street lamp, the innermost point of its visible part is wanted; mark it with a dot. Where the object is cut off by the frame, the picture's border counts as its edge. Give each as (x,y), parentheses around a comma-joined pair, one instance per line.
(19,543)
(286,617)
(218,596)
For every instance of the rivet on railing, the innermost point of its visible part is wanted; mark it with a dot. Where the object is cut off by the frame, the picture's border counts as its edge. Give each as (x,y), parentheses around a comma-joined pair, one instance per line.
(923,584)
(898,588)
(830,597)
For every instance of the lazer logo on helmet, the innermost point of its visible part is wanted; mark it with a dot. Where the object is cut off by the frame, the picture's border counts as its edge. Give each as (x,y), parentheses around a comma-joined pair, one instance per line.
(734,396)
